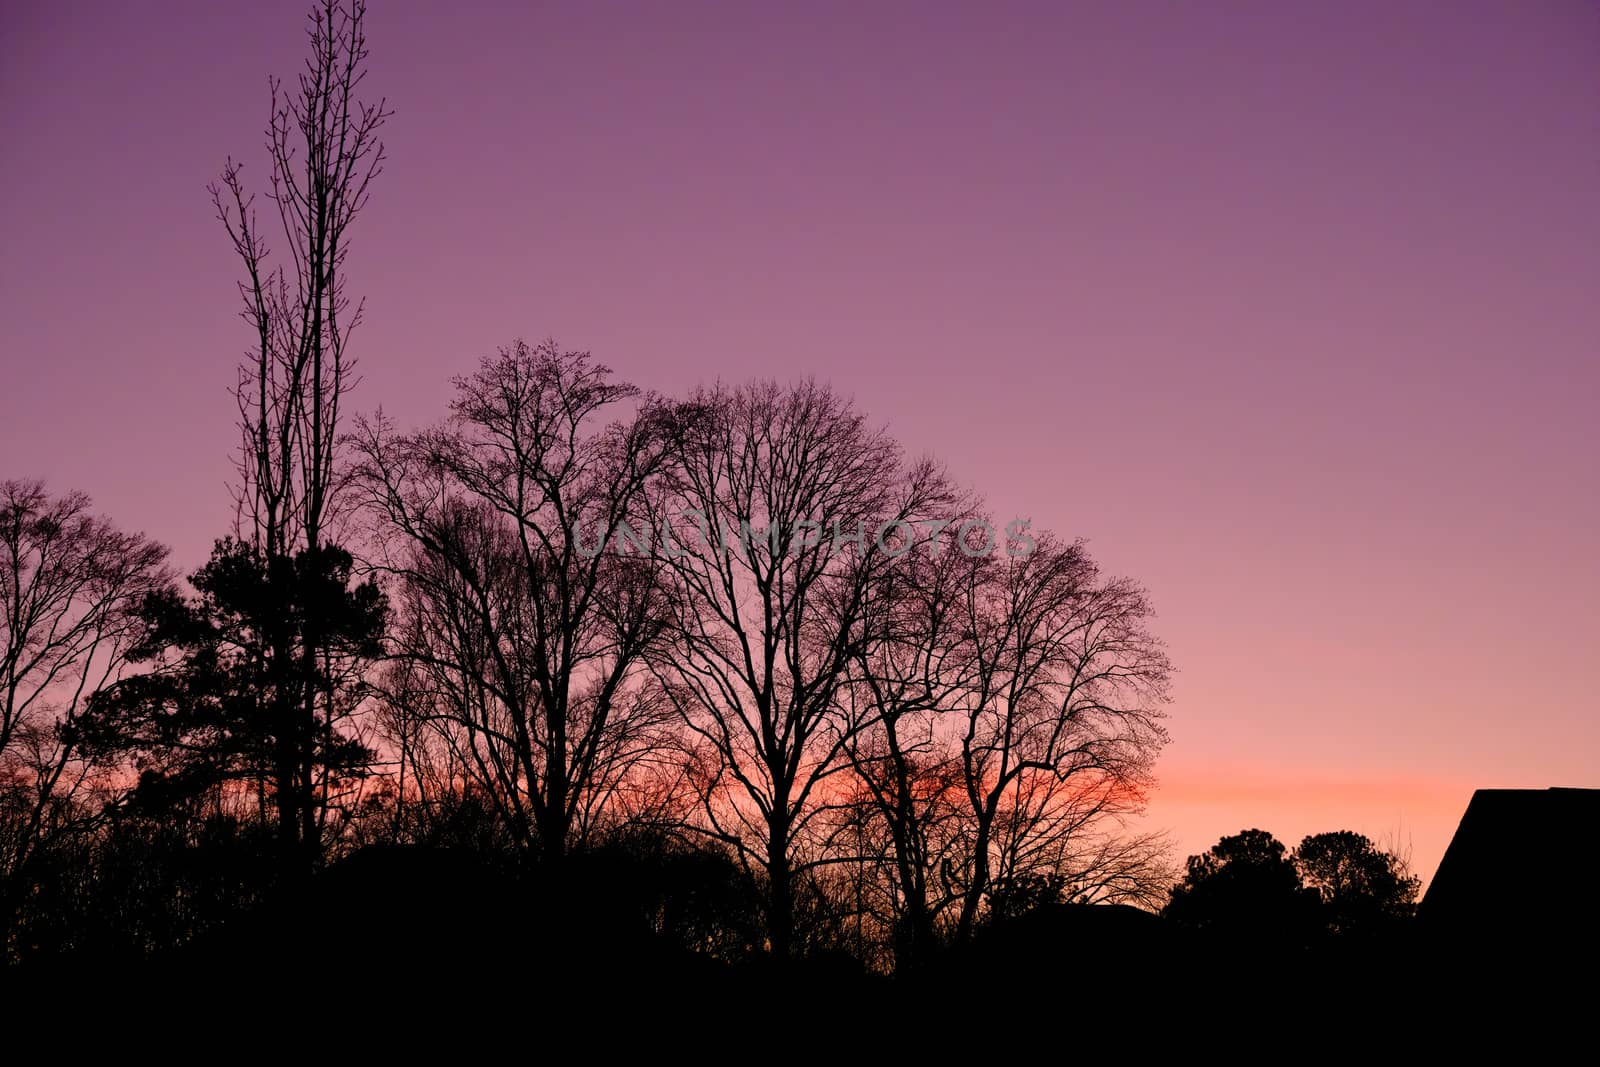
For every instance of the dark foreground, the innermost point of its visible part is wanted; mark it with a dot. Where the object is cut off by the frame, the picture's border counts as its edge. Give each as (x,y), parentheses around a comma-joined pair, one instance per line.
(431,942)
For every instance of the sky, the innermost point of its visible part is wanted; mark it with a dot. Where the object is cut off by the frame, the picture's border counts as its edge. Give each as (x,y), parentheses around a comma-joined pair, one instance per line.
(1288,308)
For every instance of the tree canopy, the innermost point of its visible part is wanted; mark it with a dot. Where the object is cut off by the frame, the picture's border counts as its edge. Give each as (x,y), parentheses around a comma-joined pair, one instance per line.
(1251,886)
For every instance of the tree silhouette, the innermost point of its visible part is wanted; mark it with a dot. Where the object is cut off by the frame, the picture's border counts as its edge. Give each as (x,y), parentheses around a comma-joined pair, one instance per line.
(523,625)
(1060,718)
(213,712)
(774,499)
(1245,887)
(324,151)
(70,583)
(1363,888)
(323,145)
(905,679)
(1012,702)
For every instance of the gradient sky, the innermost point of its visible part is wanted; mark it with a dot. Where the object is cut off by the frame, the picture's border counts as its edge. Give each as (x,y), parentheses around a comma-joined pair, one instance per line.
(1289,308)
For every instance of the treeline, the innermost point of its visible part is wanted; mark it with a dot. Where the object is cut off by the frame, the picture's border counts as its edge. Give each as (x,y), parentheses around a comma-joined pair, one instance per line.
(739,624)
(597,728)
(784,743)
(874,725)
(735,648)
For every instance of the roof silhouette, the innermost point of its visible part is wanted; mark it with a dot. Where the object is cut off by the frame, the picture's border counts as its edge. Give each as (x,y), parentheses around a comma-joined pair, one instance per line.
(1520,871)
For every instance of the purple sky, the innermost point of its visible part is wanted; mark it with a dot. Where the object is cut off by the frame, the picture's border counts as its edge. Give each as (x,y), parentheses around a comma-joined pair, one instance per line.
(1288,308)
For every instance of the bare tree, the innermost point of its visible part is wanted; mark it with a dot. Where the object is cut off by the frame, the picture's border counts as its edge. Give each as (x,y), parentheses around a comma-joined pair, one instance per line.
(1059,720)
(523,637)
(70,583)
(906,679)
(324,152)
(776,517)
(985,760)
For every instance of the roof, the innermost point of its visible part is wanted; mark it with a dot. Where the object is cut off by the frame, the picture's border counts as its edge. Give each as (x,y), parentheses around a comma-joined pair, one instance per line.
(1523,862)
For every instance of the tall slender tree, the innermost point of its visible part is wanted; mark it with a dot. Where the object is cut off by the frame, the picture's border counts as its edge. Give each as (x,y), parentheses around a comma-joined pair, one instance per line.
(324,152)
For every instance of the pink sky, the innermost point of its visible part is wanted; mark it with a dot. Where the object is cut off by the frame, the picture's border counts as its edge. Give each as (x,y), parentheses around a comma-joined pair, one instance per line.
(1288,308)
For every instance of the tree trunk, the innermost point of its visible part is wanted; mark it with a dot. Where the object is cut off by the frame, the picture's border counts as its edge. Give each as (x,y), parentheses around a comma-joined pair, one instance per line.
(780,885)
(914,932)
(979,884)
